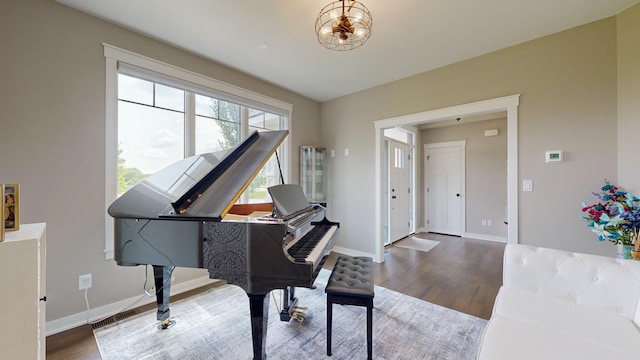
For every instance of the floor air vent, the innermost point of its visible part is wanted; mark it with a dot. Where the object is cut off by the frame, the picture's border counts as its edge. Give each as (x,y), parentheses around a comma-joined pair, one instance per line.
(112,319)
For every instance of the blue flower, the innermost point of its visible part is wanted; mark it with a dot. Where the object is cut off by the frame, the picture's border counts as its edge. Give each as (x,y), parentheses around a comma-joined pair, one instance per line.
(611,221)
(602,233)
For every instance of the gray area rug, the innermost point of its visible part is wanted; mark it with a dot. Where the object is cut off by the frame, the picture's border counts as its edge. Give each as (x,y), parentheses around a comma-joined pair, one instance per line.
(417,243)
(216,325)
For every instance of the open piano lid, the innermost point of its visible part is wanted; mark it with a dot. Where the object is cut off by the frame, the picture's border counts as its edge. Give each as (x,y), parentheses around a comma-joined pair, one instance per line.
(199,187)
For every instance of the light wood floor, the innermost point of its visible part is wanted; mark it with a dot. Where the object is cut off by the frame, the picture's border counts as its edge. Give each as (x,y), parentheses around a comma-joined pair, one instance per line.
(461,274)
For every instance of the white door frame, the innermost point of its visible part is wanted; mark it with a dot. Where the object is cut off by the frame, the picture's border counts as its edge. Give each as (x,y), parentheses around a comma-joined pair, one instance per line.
(462,144)
(507,103)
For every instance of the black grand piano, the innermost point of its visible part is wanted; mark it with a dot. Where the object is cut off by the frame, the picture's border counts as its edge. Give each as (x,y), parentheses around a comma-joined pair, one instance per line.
(184,216)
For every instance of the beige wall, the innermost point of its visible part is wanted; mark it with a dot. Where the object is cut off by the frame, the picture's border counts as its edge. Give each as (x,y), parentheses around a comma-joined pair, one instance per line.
(568,102)
(52,132)
(485,170)
(52,105)
(629,98)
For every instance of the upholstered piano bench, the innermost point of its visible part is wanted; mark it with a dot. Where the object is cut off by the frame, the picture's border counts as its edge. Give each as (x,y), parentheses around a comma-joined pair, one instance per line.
(351,283)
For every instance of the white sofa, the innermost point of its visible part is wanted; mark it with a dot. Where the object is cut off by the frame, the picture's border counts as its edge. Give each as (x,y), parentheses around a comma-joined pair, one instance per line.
(556,304)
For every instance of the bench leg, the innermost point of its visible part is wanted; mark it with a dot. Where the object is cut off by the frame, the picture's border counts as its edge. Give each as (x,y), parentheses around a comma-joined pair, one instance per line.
(370,330)
(329,319)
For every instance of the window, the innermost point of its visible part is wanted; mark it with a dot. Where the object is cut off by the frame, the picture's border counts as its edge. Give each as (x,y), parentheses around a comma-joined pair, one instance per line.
(151,122)
(157,114)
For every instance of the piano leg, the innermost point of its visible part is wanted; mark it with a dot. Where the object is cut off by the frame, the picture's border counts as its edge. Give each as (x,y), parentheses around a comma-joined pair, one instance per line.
(259,307)
(289,302)
(162,279)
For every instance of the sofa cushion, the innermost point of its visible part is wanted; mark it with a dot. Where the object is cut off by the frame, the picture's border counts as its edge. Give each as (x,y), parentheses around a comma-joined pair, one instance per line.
(611,284)
(552,326)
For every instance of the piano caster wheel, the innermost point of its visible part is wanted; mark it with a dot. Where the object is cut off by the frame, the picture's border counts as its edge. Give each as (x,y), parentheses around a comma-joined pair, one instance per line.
(313,287)
(165,324)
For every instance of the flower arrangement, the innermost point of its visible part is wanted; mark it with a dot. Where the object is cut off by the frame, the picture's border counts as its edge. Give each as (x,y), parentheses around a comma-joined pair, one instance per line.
(616,216)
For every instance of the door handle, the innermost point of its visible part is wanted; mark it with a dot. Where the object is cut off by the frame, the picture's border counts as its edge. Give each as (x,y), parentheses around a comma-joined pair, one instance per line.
(393,197)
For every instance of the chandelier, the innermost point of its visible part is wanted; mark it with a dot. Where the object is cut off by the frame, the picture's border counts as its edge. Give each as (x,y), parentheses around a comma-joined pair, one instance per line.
(343,25)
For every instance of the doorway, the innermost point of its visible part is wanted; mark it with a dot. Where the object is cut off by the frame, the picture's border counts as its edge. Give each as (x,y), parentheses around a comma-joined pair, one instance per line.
(508,103)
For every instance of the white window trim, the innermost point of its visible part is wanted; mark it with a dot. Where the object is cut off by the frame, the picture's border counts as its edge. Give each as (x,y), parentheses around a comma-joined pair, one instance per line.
(113,55)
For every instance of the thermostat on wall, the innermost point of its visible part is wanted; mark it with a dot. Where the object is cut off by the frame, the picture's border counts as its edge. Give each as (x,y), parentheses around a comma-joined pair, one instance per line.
(553,156)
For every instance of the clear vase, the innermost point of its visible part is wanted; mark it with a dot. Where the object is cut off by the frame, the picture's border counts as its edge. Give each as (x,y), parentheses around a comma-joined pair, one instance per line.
(626,251)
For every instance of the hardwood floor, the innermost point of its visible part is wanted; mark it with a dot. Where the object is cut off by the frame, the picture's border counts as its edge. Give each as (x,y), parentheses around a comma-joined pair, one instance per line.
(460,274)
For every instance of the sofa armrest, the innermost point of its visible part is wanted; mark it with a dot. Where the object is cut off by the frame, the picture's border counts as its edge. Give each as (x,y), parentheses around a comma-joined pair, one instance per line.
(609,283)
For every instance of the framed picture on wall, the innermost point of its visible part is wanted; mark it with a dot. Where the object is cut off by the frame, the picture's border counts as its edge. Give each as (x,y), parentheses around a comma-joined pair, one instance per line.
(11,208)
(2,214)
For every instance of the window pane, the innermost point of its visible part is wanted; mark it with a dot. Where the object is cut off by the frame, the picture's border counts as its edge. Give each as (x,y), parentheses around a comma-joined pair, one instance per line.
(217,109)
(206,106)
(214,135)
(268,176)
(253,128)
(228,111)
(264,120)
(148,140)
(136,90)
(169,98)
(272,121)
(256,118)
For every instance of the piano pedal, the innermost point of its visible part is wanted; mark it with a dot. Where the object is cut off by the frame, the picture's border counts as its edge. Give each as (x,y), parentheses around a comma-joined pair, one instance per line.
(166,323)
(299,312)
(298,315)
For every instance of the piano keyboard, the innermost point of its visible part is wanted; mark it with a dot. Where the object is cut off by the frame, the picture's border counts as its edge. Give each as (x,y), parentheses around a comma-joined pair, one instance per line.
(307,247)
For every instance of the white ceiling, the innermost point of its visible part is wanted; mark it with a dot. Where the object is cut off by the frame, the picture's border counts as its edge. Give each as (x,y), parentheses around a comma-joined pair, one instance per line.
(408,36)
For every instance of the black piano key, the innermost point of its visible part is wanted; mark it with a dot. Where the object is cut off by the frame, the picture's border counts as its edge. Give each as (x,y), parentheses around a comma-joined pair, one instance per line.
(305,245)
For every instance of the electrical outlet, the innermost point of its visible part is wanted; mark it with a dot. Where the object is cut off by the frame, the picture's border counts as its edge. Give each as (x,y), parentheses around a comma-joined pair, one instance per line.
(484,222)
(489,222)
(84,281)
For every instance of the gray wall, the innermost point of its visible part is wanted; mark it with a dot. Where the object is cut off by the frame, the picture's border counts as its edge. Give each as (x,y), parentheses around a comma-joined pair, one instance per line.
(568,84)
(52,106)
(628,28)
(486,172)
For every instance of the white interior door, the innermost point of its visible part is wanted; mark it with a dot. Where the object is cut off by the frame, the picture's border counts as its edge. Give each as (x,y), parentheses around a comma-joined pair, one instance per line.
(399,191)
(445,184)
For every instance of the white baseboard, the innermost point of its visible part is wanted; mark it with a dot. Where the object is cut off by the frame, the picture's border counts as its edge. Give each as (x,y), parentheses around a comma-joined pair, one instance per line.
(102,312)
(499,239)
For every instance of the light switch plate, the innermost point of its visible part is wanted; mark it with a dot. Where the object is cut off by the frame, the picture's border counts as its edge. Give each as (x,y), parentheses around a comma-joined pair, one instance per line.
(527,185)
